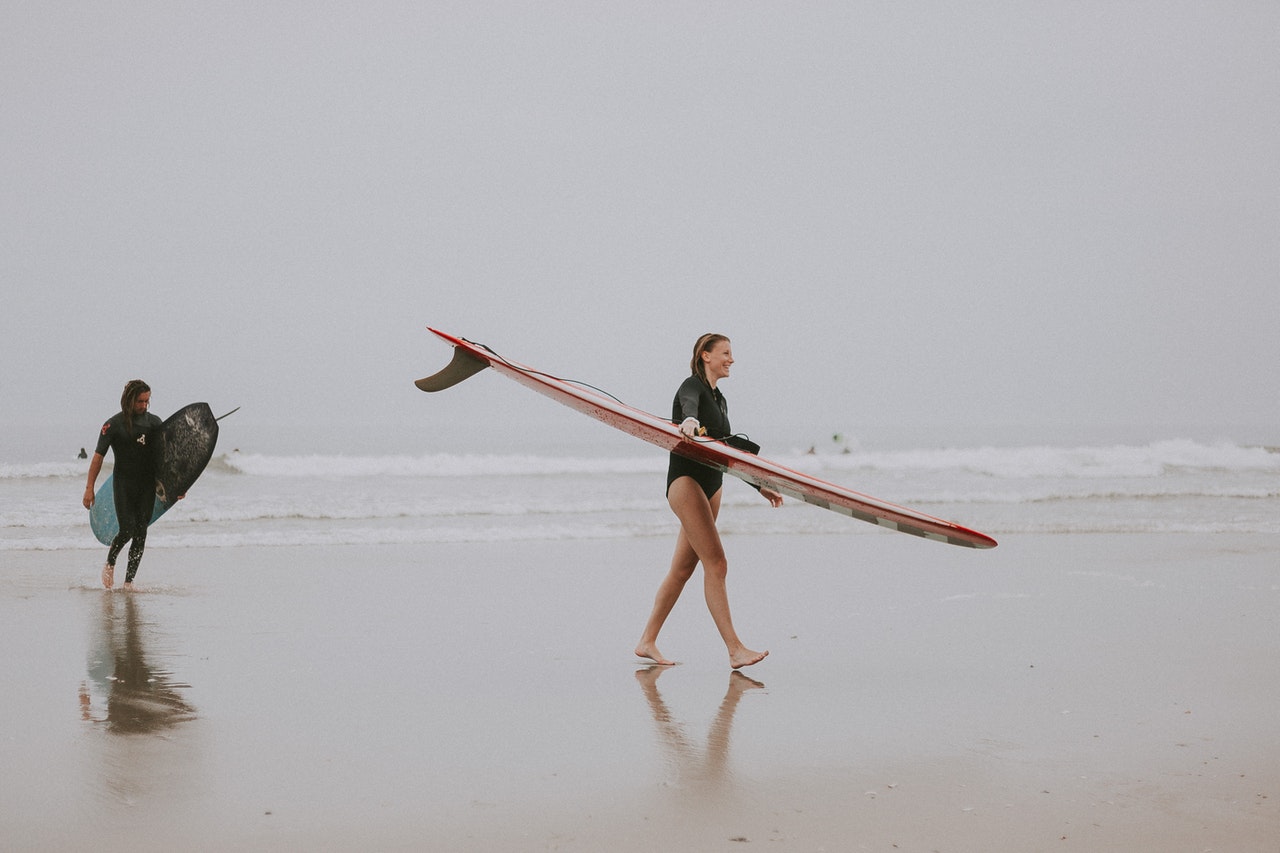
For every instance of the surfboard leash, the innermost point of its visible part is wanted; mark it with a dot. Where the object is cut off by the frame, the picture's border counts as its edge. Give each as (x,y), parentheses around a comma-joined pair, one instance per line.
(530,371)
(703,437)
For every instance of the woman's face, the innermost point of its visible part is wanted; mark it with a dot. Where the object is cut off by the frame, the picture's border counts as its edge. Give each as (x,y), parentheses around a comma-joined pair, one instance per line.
(717,361)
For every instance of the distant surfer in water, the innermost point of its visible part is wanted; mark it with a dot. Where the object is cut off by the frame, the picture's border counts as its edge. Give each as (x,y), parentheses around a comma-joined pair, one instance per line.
(132,434)
(693,492)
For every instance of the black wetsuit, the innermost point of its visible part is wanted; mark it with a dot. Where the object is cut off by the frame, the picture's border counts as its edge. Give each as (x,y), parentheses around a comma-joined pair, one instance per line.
(696,399)
(133,481)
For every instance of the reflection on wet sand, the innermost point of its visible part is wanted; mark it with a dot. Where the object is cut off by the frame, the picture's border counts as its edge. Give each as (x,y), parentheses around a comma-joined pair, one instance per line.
(125,692)
(143,737)
(704,769)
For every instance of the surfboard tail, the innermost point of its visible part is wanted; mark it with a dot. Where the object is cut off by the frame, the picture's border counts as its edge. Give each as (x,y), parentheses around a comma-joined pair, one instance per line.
(463,366)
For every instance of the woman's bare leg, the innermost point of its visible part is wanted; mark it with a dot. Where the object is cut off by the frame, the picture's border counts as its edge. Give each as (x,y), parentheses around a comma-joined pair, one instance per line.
(698,525)
(683,562)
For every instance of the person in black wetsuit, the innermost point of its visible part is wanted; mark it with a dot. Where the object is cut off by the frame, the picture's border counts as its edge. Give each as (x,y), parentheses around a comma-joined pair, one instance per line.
(132,434)
(693,492)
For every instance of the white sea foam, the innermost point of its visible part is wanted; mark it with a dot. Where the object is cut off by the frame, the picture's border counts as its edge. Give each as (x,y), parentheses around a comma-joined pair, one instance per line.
(257,499)
(433,465)
(1149,460)
(1020,463)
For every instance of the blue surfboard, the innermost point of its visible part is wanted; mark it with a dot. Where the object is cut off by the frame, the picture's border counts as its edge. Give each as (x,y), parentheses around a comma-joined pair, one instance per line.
(102,515)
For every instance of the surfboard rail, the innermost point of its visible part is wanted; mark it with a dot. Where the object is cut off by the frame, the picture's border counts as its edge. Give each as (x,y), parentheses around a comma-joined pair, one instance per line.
(470,358)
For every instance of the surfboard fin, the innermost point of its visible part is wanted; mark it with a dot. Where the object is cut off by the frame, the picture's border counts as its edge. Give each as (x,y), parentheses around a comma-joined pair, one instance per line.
(464,365)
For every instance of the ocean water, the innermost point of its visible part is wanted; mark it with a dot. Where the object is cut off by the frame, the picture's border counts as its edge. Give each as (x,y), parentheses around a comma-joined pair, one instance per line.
(265,500)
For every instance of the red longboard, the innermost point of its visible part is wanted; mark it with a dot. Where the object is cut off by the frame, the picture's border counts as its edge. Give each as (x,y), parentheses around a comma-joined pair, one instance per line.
(470,358)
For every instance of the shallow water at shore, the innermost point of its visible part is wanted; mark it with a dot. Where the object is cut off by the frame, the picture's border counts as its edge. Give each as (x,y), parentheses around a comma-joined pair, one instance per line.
(1075,692)
(1179,486)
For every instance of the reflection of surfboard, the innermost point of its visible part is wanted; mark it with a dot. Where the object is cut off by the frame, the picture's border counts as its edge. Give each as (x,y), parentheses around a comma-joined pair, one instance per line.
(470,358)
(187,440)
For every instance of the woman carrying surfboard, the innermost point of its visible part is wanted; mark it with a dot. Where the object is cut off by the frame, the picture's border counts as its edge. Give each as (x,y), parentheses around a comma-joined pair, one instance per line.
(693,492)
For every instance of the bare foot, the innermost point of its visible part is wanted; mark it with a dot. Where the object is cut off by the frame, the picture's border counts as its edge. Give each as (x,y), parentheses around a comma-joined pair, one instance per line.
(650,651)
(128,586)
(746,657)
(108,575)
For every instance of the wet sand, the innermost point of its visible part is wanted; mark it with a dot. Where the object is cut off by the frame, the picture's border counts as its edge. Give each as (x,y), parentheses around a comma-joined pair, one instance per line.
(1065,693)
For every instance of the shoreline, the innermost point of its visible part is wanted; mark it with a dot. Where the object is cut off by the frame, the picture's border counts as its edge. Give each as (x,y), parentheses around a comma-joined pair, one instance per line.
(1065,692)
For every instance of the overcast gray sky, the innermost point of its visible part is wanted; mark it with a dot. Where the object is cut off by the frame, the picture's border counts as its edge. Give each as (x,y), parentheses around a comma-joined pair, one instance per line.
(1006,215)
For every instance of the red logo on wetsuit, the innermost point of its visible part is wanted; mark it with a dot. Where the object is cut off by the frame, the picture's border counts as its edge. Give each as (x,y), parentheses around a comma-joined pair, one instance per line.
(106,427)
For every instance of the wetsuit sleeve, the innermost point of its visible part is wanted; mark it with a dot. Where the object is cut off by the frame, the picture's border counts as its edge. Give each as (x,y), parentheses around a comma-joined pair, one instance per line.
(104,439)
(687,400)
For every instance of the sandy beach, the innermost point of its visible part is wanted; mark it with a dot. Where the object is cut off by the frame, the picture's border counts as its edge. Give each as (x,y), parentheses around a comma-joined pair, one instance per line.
(1064,693)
